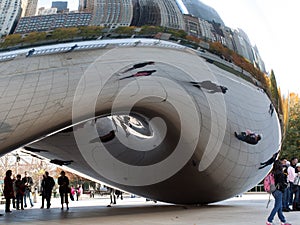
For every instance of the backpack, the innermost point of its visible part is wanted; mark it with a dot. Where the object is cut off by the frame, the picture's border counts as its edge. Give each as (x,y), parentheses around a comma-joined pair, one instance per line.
(269,183)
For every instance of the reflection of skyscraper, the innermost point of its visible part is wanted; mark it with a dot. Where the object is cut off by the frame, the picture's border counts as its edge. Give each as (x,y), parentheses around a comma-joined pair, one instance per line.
(158,13)
(86,5)
(10,12)
(200,10)
(112,13)
(31,8)
(61,6)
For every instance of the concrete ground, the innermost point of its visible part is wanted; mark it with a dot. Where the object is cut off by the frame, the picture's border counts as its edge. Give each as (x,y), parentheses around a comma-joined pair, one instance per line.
(248,209)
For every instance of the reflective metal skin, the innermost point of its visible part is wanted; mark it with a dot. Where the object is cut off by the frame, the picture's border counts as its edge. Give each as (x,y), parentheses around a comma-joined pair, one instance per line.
(149,117)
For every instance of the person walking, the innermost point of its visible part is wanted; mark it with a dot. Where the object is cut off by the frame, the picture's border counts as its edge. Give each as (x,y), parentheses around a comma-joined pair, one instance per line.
(28,182)
(63,182)
(8,190)
(281,184)
(47,186)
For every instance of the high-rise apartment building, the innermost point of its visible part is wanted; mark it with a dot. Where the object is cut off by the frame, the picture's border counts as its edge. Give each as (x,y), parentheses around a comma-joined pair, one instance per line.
(157,13)
(61,6)
(112,13)
(86,6)
(10,12)
(31,8)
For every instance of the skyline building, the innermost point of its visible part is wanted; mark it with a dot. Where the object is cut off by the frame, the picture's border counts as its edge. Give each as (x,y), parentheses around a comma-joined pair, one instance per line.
(112,13)
(51,22)
(86,6)
(202,11)
(10,12)
(157,13)
(31,8)
(61,6)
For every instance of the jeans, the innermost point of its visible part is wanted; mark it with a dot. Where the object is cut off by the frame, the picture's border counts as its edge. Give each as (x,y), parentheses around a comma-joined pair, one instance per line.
(285,198)
(27,194)
(291,193)
(297,196)
(277,207)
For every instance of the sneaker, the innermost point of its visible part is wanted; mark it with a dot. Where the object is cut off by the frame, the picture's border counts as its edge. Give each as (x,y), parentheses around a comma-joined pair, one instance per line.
(268,223)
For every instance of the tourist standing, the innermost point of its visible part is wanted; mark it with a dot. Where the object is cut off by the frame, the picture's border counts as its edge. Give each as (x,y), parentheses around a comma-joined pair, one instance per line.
(8,190)
(28,182)
(281,184)
(63,182)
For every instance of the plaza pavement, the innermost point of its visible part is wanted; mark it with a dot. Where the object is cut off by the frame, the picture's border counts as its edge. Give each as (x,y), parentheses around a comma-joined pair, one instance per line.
(248,209)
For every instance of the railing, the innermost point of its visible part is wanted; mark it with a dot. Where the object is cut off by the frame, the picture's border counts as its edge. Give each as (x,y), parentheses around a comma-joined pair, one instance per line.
(65,48)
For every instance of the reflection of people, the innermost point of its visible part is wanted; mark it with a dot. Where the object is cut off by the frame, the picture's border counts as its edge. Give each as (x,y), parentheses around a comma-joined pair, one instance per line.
(280,183)
(72,48)
(47,186)
(28,182)
(138,65)
(30,52)
(248,137)
(140,74)
(119,194)
(271,109)
(269,161)
(112,196)
(210,86)
(63,182)
(8,190)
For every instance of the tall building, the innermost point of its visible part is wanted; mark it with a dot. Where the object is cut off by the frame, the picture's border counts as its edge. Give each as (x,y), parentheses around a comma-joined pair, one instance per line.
(112,13)
(202,11)
(61,6)
(86,6)
(157,13)
(47,11)
(51,22)
(31,8)
(10,13)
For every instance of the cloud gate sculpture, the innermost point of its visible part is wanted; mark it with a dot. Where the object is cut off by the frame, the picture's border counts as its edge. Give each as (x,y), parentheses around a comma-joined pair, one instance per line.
(150,117)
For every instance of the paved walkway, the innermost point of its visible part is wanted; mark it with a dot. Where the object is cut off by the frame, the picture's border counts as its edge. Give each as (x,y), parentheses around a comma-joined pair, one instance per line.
(248,209)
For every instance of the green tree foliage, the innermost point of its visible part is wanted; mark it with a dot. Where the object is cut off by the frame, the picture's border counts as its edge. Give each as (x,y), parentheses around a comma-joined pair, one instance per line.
(151,30)
(12,40)
(34,37)
(125,30)
(90,31)
(274,90)
(65,33)
(291,143)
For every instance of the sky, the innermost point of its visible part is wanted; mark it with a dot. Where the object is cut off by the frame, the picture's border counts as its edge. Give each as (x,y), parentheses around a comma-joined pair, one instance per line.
(271,25)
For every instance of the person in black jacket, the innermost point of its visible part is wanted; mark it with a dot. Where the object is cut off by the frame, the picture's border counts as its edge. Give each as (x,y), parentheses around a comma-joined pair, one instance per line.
(281,185)
(63,182)
(47,186)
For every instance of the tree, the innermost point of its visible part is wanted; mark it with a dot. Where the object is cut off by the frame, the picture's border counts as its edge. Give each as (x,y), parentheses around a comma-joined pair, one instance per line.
(291,143)
(12,40)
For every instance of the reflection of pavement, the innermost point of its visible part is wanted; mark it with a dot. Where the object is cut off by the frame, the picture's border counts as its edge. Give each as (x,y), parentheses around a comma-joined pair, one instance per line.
(248,209)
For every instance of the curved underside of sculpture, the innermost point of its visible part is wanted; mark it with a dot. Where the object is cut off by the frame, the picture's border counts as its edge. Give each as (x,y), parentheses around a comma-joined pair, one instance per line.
(149,117)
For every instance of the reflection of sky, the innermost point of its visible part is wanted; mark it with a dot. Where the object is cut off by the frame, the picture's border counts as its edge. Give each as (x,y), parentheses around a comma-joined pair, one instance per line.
(182,7)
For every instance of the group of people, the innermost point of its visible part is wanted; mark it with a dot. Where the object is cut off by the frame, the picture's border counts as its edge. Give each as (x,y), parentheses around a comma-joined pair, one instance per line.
(17,190)
(287,192)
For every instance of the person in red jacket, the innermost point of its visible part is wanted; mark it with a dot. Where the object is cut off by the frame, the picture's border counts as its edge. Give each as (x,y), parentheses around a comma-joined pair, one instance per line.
(8,190)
